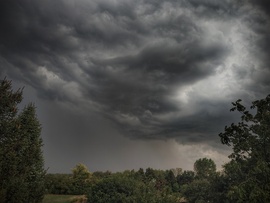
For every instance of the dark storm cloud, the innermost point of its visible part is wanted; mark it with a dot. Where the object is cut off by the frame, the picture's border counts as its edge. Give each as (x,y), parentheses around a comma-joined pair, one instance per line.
(263,5)
(156,69)
(135,88)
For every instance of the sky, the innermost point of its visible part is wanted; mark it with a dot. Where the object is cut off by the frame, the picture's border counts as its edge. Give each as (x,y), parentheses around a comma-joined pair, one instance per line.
(129,84)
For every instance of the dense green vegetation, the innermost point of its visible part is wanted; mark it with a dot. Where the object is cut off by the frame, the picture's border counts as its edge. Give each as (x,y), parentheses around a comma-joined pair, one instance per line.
(148,185)
(21,160)
(248,171)
(128,186)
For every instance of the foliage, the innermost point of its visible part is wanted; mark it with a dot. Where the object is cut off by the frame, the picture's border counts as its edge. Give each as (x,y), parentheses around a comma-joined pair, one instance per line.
(206,186)
(171,181)
(141,186)
(77,183)
(21,160)
(113,189)
(197,191)
(59,184)
(218,188)
(81,178)
(204,168)
(185,178)
(249,169)
(100,174)
(126,189)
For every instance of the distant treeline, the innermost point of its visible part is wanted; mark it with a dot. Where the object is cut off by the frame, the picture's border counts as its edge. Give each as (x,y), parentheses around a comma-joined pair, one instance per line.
(148,185)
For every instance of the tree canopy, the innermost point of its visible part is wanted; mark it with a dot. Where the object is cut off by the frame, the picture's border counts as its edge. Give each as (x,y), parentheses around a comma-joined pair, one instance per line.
(249,169)
(21,160)
(204,167)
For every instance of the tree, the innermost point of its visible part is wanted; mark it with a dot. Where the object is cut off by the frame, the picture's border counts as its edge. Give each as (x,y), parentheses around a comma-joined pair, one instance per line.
(139,175)
(204,168)
(31,157)
(197,191)
(171,181)
(116,188)
(185,178)
(218,188)
(21,161)
(81,179)
(150,174)
(250,140)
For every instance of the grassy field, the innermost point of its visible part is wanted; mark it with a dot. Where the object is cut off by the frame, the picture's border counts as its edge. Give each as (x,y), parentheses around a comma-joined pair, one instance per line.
(63,199)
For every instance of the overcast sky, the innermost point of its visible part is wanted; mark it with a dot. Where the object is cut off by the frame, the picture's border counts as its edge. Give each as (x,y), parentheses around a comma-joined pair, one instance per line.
(124,84)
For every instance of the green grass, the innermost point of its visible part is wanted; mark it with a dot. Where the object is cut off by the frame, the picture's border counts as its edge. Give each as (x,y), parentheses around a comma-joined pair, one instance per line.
(60,198)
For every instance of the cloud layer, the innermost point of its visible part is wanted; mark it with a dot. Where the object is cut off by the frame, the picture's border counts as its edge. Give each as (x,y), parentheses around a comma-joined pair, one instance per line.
(155,69)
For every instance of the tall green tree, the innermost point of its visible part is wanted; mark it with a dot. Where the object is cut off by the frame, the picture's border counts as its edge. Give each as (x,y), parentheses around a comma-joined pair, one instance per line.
(8,126)
(204,168)
(201,186)
(31,155)
(21,160)
(81,177)
(249,169)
